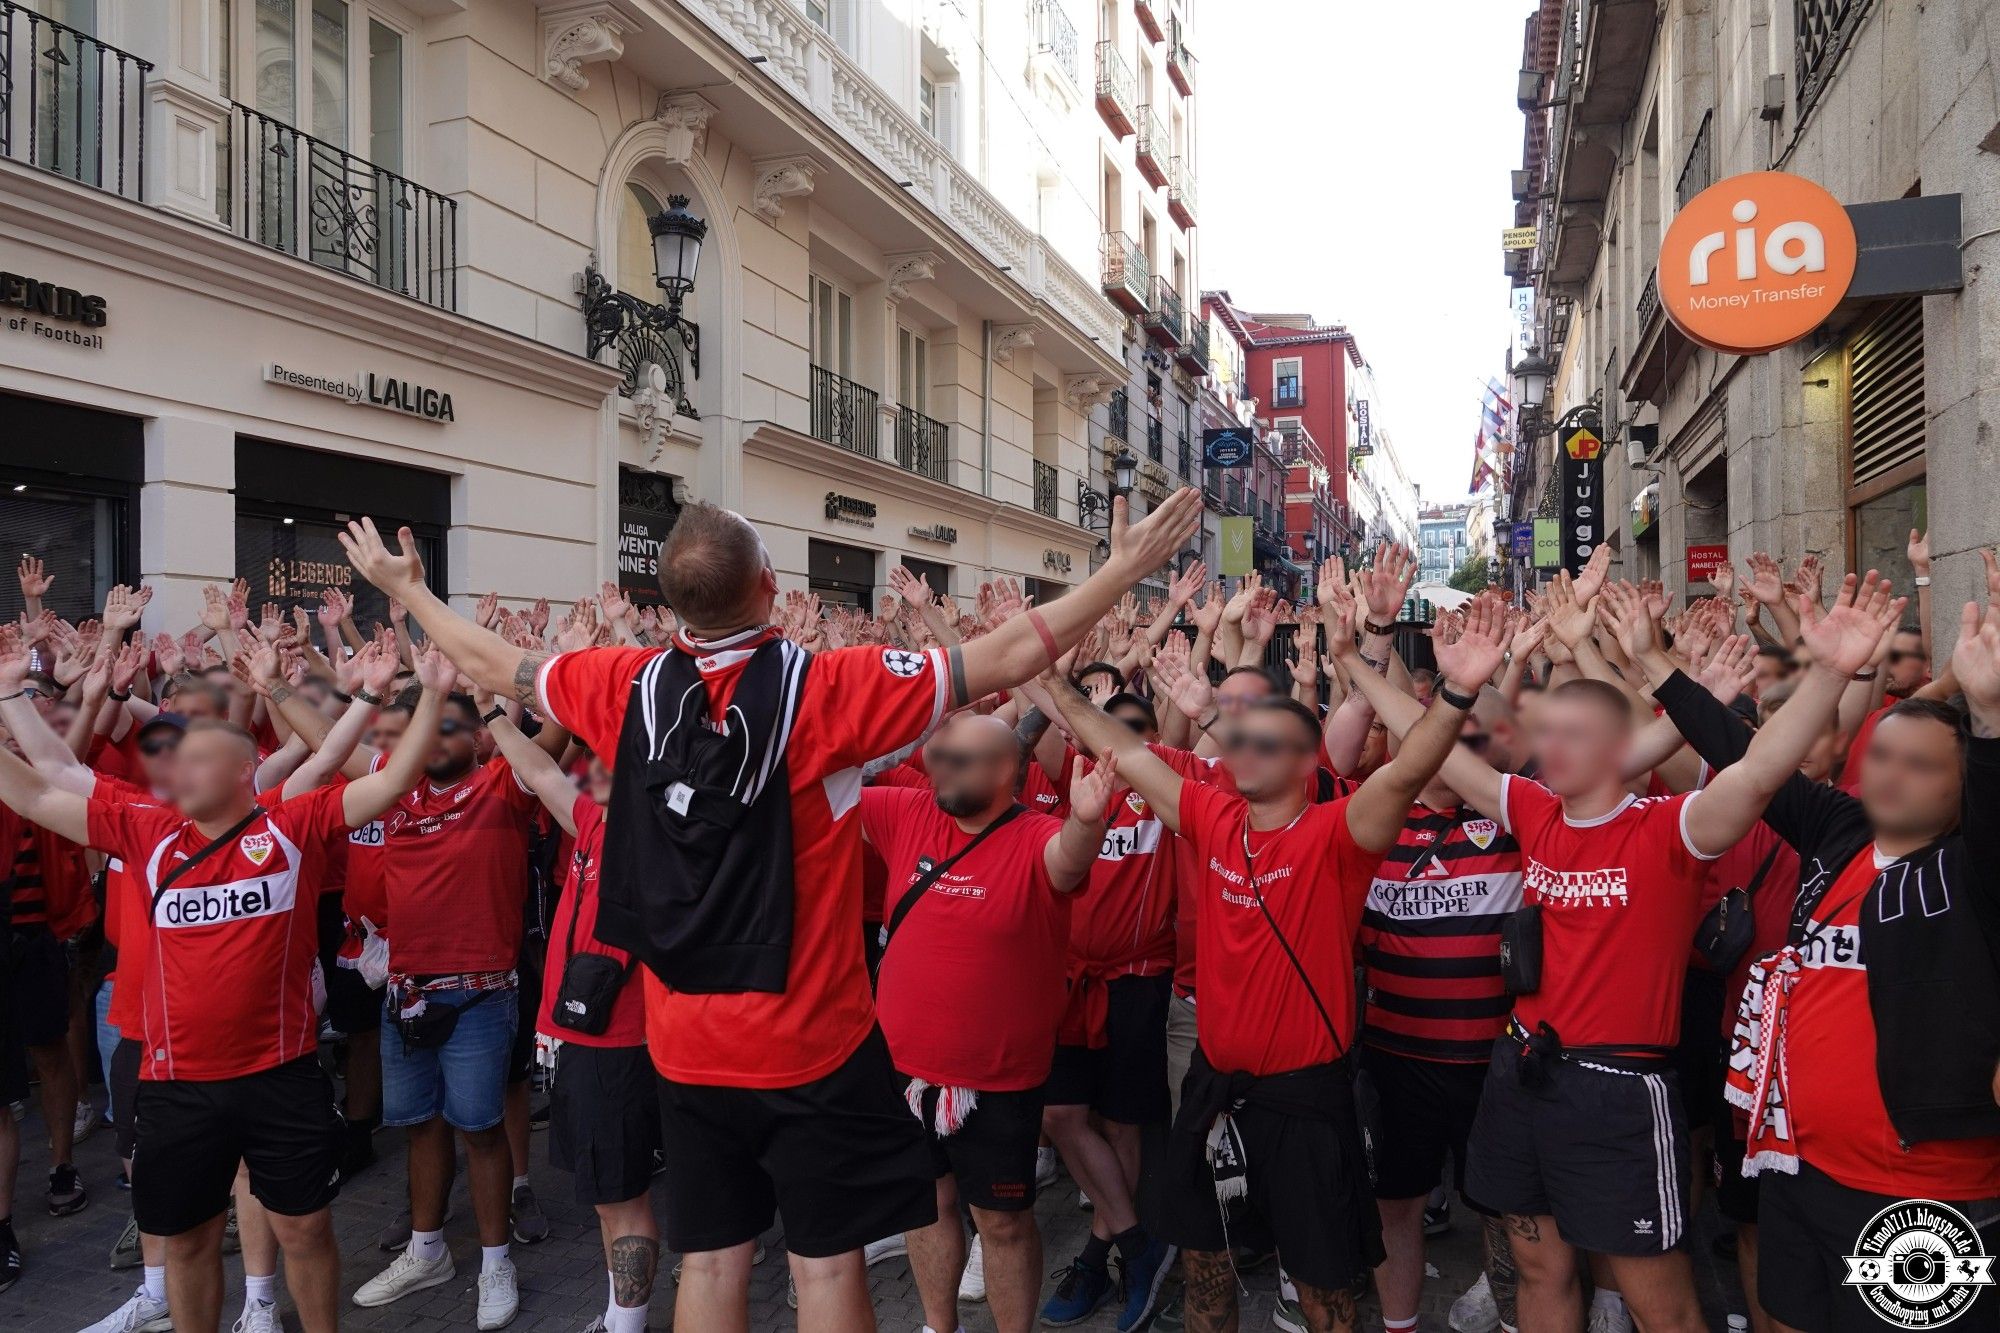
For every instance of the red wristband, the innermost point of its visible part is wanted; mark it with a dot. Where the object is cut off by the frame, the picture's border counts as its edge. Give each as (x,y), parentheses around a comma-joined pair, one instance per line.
(1048,639)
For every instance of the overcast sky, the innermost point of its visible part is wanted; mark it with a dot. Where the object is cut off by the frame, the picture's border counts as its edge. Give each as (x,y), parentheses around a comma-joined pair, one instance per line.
(1354,162)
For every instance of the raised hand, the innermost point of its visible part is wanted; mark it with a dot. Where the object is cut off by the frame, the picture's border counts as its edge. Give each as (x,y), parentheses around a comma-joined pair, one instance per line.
(1730,669)
(1918,550)
(913,588)
(1184,586)
(334,607)
(538,617)
(1626,612)
(1305,663)
(1843,637)
(1594,571)
(399,573)
(121,611)
(1468,645)
(618,608)
(214,608)
(35,581)
(1260,621)
(1208,615)
(15,660)
(378,666)
(1723,580)
(487,609)
(1527,637)
(1386,584)
(1188,691)
(1091,789)
(1570,615)
(167,654)
(1807,582)
(1976,660)
(1142,547)
(435,671)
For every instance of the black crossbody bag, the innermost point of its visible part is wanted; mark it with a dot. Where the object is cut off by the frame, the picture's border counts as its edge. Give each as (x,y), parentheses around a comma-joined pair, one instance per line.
(922,884)
(590,984)
(1727,928)
(1521,950)
(201,854)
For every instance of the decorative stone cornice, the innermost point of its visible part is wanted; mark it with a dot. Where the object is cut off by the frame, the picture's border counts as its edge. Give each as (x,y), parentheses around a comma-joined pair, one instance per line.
(1085,391)
(685,117)
(781,178)
(575,35)
(1011,338)
(907,269)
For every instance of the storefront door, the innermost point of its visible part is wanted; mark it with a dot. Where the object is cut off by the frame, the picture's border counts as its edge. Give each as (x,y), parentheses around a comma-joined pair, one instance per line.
(841,575)
(69,488)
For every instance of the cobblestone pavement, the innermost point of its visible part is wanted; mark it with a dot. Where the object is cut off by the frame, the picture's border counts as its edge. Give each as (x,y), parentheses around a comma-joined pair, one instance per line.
(69,1284)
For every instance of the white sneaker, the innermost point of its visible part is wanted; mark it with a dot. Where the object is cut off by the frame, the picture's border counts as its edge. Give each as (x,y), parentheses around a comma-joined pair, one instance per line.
(499,1298)
(85,1124)
(1608,1319)
(885,1249)
(972,1286)
(141,1314)
(1083,1201)
(257,1317)
(407,1274)
(1045,1167)
(1476,1311)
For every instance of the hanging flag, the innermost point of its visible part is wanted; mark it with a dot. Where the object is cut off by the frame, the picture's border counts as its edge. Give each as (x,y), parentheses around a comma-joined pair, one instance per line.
(1482,475)
(1496,392)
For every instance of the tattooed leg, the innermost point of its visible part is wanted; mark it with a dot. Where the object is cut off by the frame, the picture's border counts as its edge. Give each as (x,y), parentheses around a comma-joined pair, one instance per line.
(635,1261)
(1328,1311)
(1211,1291)
(1549,1295)
(1500,1271)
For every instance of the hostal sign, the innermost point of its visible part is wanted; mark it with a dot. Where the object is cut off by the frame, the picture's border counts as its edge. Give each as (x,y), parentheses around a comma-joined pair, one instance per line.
(368,389)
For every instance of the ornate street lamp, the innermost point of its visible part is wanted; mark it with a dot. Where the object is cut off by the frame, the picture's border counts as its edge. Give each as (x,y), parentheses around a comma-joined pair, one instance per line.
(658,351)
(677,236)
(1531,381)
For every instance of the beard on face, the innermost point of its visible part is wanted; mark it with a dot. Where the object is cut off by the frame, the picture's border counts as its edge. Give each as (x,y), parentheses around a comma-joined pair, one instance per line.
(962,804)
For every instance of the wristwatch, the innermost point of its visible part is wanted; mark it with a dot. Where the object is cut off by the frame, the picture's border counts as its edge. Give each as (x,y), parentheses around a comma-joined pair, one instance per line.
(1374,628)
(1462,702)
(1869,674)
(368,696)
(497,712)
(1922,580)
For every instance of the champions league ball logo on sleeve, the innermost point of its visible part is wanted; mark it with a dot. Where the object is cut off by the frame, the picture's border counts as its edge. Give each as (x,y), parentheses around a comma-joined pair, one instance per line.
(1919,1264)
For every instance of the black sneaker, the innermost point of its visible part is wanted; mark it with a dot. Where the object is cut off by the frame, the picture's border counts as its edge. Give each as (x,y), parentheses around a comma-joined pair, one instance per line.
(66,1192)
(1437,1220)
(10,1256)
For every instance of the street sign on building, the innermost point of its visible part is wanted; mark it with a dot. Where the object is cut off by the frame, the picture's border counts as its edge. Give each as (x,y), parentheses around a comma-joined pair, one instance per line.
(1517,238)
(1756,262)
(1582,506)
(1237,536)
(1704,560)
(1548,544)
(1228,446)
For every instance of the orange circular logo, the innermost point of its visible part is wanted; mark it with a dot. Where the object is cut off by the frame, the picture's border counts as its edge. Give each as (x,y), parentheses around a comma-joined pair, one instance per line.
(1756,262)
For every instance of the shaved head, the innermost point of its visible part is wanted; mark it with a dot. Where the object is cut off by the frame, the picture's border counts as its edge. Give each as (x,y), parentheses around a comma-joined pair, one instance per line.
(712,568)
(976,762)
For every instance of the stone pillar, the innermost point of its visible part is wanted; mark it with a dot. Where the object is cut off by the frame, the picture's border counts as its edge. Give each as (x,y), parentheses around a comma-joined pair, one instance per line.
(187,516)
(186,113)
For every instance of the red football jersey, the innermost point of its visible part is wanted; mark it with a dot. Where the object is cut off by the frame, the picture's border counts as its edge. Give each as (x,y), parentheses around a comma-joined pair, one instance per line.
(125,915)
(1839,1119)
(227,983)
(576,914)
(456,873)
(1256,1015)
(1620,897)
(971,988)
(858,704)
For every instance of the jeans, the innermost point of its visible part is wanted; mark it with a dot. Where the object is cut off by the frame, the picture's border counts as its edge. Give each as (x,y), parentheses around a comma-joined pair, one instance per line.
(107,1040)
(464,1080)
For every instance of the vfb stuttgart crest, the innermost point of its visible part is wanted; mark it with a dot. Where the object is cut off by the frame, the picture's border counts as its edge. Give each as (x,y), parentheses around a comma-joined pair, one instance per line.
(257,846)
(1481,832)
(1919,1264)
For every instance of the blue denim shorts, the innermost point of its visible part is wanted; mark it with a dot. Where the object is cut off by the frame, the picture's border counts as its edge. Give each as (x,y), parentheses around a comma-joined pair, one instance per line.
(464,1080)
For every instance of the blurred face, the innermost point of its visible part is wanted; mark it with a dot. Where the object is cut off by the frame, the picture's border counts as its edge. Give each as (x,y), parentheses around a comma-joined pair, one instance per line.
(388,729)
(1134,717)
(317,693)
(60,715)
(1907,663)
(1910,778)
(1578,743)
(1235,694)
(597,781)
(158,749)
(197,705)
(972,761)
(457,744)
(1423,684)
(1770,670)
(1825,753)
(212,773)
(1270,752)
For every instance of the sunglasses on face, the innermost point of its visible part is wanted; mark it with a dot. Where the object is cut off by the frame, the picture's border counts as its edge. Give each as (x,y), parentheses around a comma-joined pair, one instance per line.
(451,726)
(1267,747)
(1137,724)
(164,745)
(1477,744)
(1899,655)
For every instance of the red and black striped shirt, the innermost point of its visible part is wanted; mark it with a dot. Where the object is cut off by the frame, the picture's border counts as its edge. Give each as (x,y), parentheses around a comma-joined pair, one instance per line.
(1430,937)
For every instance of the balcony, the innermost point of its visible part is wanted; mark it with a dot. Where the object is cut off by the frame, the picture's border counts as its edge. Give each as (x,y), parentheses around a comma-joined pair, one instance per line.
(1823,28)
(923,445)
(1156,441)
(70,104)
(1698,172)
(1149,18)
(1180,192)
(1286,392)
(1126,273)
(1166,317)
(845,415)
(1118,415)
(289,191)
(1193,354)
(1180,60)
(1114,89)
(1152,158)
(1055,38)
(1649,302)
(1046,491)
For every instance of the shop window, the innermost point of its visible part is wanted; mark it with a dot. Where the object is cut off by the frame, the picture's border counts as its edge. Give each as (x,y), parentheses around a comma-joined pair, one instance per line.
(647,512)
(1886,493)
(841,575)
(69,491)
(933,572)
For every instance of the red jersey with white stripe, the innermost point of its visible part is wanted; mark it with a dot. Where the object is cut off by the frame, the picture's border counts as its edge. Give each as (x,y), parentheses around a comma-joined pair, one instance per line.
(125,913)
(1430,936)
(1123,923)
(226,989)
(856,705)
(456,869)
(367,889)
(1620,897)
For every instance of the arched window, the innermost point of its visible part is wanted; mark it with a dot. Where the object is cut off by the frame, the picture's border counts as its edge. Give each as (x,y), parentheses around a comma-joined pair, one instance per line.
(635,244)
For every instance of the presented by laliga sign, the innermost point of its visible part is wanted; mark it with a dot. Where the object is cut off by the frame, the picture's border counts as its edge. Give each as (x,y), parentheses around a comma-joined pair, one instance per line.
(1756,262)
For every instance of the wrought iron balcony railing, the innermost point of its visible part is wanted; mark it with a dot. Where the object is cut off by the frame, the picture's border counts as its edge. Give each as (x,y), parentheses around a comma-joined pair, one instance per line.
(1114,89)
(1649,301)
(1118,414)
(1823,29)
(1166,317)
(292,192)
(1186,456)
(1153,149)
(1180,191)
(923,445)
(1180,60)
(1126,273)
(645,335)
(1046,492)
(1287,393)
(1156,440)
(1193,354)
(1055,37)
(846,415)
(70,104)
(1698,172)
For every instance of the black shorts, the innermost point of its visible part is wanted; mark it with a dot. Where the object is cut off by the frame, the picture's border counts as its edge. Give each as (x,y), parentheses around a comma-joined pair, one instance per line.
(281,1123)
(604,1120)
(125,1093)
(1307,1178)
(1126,1079)
(1703,1052)
(1602,1151)
(13,1050)
(1808,1223)
(528,1001)
(351,1007)
(841,1158)
(992,1156)
(1427,1111)
(41,987)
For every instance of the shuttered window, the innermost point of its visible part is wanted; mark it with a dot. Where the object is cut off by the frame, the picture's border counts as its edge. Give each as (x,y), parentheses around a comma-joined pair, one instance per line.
(1886,393)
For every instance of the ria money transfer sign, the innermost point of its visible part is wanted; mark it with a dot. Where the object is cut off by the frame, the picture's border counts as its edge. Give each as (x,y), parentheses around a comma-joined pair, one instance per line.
(1756,262)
